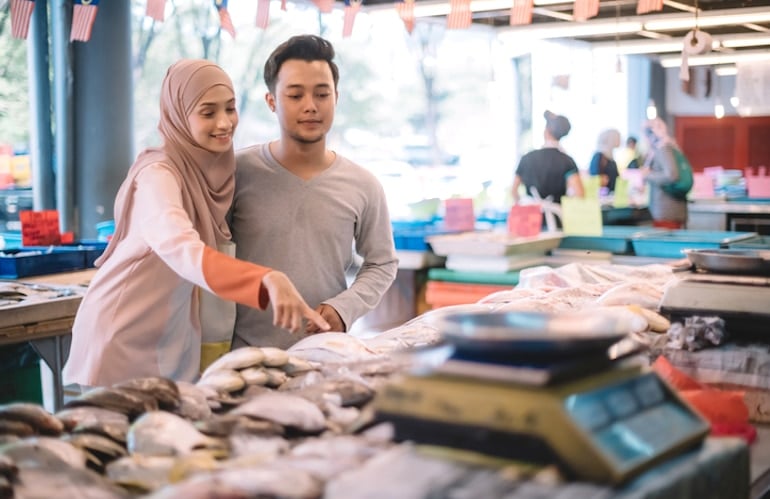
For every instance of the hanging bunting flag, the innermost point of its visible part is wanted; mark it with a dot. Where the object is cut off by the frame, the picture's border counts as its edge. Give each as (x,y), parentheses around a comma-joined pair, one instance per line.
(645,6)
(405,9)
(324,6)
(21,13)
(283,5)
(156,9)
(585,9)
(351,9)
(83,17)
(521,12)
(263,13)
(224,17)
(460,15)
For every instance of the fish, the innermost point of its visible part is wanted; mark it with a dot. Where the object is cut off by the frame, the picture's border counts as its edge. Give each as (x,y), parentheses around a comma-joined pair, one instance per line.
(34,415)
(193,401)
(295,366)
(164,390)
(240,358)
(275,377)
(66,483)
(141,472)
(245,482)
(255,376)
(129,402)
(44,452)
(226,424)
(285,409)
(8,468)
(331,347)
(87,419)
(222,380)
(161,433)
(16,428)
(274,357)
(265,448)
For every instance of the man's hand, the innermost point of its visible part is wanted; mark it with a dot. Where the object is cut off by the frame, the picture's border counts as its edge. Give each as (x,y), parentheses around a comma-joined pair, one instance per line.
(288,306)
(331,316)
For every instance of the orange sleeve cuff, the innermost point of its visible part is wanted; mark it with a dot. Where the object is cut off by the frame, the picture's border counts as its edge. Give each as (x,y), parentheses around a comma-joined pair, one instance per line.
(235,280)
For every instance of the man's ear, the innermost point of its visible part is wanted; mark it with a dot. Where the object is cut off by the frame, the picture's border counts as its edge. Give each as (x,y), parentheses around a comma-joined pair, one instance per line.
(270,99)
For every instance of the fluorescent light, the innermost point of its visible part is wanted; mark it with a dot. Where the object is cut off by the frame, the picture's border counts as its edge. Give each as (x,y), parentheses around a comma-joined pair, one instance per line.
(709,18)
(726,71)
(652,111)
(442,7)
(719,110)
(712,59)
(675,44)
(568,30)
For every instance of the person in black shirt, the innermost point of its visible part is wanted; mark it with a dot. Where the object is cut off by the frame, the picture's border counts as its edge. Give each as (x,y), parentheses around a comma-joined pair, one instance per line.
(549,172)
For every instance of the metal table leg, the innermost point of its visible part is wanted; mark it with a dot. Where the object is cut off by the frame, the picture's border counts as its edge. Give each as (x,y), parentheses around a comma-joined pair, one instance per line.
(53,351)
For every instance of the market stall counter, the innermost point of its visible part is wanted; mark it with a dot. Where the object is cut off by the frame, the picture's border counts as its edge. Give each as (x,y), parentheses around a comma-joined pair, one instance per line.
(40,311)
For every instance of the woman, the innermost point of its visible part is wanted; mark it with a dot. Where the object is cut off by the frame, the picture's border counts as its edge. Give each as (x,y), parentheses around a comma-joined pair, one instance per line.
(661,170)
(603,164)
(141,313)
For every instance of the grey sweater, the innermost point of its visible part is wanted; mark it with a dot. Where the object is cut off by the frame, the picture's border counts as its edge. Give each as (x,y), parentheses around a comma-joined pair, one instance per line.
(308,229)
(663,170)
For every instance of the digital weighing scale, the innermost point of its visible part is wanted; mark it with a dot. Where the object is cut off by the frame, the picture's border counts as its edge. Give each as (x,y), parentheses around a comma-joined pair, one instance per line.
(520,387)
(733,285)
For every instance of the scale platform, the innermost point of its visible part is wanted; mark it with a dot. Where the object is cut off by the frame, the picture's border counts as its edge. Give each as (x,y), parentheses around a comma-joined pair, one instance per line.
(599,420)
(742,300)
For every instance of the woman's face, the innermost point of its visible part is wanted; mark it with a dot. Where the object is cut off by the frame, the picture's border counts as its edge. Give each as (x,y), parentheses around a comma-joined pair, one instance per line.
(213,119)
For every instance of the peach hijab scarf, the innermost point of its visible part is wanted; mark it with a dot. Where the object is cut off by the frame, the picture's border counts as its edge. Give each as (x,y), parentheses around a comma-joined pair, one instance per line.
(206,178)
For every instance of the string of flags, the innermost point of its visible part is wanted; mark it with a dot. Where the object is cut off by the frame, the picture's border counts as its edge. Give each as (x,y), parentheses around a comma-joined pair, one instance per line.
(225,21)
(83,17)
(21,13)
(460,15)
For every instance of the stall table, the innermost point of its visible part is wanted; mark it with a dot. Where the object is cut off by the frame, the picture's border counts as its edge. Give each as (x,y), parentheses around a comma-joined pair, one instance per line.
(46,325)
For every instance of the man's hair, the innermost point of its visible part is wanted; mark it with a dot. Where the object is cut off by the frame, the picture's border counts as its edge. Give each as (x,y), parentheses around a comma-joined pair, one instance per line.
(303,47)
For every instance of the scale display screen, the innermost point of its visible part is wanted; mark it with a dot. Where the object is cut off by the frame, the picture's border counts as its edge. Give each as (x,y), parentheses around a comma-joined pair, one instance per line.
(634,420)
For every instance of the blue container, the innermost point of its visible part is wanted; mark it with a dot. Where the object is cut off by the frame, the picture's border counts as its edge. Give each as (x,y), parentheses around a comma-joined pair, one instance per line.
(671,244)
(27,262)
(104,230)
(614,239)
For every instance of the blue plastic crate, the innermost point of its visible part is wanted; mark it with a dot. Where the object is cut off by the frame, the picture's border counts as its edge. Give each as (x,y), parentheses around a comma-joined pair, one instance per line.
(671,244)
(614,239)
(27,262)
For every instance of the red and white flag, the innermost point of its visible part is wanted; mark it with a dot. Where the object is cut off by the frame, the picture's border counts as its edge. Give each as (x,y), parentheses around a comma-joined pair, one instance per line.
(521,12)
(351,9)
(83,17)
(224,17)
(585,9)
(156,9)
(645,6)
(460,15)
(405,9)
(263,13)
(325,6)
(21,13)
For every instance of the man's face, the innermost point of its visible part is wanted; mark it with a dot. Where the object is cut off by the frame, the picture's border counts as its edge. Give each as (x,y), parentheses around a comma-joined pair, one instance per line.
(304,100)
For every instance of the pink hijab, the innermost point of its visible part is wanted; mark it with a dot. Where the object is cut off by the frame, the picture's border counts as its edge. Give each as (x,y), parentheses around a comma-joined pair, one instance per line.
(206,178)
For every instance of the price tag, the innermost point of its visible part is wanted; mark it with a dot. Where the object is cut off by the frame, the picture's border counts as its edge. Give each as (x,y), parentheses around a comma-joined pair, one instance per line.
(40,228)
(459,215)
(525,220)
(620,196)
(581,217)
(591,185)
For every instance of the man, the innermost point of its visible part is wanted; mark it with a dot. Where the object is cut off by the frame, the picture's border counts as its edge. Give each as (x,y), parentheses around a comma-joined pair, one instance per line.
(300,207)
(549,171)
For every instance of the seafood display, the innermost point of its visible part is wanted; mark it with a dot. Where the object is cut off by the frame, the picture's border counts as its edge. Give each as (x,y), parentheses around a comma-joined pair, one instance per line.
(266,422)
(260,422)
